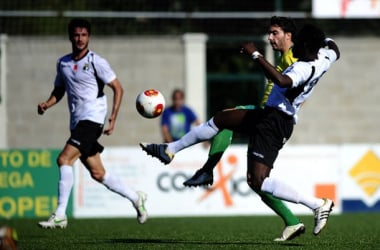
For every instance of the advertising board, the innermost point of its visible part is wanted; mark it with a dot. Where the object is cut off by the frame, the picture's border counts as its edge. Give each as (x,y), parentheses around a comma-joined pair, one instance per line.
(28,183)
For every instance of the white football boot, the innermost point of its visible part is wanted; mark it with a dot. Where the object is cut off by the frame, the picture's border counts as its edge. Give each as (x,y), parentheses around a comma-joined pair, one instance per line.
(139,205)
(54,221)
(290,232)
(321,215)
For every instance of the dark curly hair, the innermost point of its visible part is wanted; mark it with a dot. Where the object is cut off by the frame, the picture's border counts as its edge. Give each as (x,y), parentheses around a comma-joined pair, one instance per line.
(312,37)
(287,24)
(78,22)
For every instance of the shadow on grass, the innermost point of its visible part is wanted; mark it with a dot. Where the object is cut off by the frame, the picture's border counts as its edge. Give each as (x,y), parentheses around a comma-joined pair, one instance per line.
(196,242)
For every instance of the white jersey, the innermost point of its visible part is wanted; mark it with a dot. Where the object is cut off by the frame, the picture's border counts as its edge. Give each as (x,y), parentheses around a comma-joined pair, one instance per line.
(84,81)
(305,76)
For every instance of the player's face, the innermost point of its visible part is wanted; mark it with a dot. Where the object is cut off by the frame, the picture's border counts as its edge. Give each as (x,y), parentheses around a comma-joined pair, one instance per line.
(178,100)
(80,39)
(278,39)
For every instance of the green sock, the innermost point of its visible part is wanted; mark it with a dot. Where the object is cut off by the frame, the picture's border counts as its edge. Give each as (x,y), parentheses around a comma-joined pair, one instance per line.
(279,208)
(219,144)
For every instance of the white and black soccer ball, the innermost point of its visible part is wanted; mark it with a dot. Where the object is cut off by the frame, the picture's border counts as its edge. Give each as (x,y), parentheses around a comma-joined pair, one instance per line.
(150,103)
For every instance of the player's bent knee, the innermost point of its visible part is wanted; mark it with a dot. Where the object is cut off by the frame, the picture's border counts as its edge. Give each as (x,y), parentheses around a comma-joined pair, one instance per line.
(253,183)
(98,175)
(254,186)
(61,160)
(255,180)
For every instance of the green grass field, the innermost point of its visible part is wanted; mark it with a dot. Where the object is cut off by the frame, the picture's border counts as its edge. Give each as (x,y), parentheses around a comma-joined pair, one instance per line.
(350,231)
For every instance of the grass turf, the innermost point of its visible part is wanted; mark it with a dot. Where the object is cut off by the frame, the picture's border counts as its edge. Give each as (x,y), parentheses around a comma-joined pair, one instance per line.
(348,231)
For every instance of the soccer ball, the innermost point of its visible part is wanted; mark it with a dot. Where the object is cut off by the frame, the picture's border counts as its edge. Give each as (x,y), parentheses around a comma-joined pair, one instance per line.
(150,103)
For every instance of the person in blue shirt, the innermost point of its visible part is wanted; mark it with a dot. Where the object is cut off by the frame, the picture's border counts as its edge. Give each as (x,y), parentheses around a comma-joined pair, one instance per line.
(177,119)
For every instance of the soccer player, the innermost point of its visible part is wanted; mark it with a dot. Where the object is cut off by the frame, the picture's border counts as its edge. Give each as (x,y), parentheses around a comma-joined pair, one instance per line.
(83,74)
(281,32)
(271,126)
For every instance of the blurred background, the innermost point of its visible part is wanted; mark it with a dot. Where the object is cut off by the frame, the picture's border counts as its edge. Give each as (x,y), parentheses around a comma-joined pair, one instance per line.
(145,42)
(192,45)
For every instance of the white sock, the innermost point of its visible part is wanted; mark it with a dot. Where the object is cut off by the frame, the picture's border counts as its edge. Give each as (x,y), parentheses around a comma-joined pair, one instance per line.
(114,183)
(202,132)
(284,192)
(65,184)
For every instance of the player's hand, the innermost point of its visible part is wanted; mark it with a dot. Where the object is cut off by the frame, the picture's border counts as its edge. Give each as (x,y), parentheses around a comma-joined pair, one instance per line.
(248,48)
(109,130)
(42,107)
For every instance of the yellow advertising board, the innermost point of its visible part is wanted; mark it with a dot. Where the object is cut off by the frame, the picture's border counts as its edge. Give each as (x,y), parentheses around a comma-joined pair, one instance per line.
(28,183)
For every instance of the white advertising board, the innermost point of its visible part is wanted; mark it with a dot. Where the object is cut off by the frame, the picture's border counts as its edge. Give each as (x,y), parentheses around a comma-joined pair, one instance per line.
(310,169)
(346,8)
(359,185)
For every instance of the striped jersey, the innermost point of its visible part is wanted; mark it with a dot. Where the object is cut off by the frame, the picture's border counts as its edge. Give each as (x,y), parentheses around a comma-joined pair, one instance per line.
(304,75)
(84,80)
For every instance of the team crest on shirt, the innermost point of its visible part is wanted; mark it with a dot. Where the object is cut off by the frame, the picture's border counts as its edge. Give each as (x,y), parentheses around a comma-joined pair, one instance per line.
(86,67)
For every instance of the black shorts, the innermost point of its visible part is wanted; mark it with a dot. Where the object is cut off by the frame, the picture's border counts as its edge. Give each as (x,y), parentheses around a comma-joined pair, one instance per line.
(272,130)
(85,137)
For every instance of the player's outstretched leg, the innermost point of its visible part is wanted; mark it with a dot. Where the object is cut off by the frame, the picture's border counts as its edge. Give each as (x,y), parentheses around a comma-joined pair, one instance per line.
(165,152)
(159,151)
(219,144)
(293,227)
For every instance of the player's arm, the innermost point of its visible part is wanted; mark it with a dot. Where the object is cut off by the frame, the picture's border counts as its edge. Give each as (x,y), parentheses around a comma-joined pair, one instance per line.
(268,69)
(166,136)
(56,95)
(118,92)
(330,43)
(165,133)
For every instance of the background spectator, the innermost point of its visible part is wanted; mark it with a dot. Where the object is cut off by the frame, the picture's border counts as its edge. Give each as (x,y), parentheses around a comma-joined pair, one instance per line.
(177,119)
